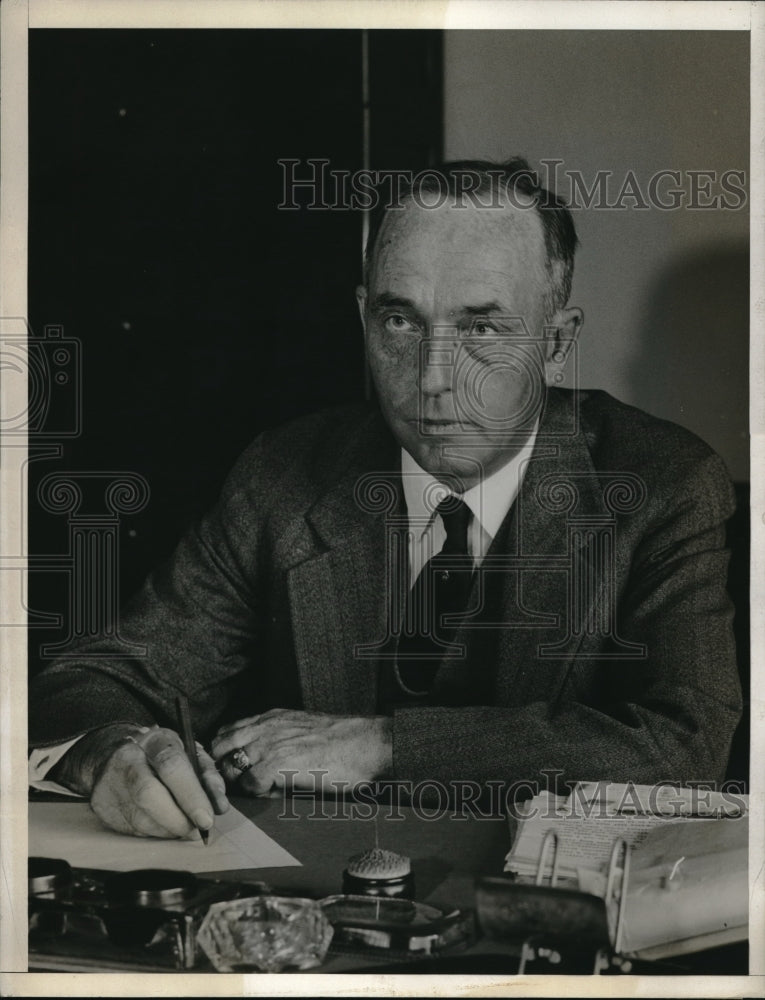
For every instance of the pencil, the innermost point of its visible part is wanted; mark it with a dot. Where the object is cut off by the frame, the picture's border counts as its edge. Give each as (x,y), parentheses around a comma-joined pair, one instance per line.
(184,725)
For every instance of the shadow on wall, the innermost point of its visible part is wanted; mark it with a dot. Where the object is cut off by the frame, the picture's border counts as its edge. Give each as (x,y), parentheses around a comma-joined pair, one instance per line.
(692,350)
(692,366)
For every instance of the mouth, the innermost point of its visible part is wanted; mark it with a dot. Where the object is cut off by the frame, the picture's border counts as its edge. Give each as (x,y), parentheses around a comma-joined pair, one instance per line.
(430,426)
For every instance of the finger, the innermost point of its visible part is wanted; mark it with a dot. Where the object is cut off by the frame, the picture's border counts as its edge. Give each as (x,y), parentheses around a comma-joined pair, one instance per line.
(129,798)
(244,728)
(167,757)
(231,772)
(259,780)
(295,757)
(233,726)
(292,714)
(129,819)
(236,739)
(263,736)
(153,812)
(213,781)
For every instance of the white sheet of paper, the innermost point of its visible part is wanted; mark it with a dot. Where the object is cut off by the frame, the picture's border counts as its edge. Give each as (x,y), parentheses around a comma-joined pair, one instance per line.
(71,831)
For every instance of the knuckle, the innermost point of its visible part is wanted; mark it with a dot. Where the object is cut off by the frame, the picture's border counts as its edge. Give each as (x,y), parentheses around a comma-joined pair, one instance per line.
(105,814)
(212,775)
(137,819)
(133,778)
(144,794)
(275,713)
(256,784)
(168,759)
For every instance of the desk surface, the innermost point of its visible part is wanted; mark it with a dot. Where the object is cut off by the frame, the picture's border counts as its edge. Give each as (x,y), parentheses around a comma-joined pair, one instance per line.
(447,852)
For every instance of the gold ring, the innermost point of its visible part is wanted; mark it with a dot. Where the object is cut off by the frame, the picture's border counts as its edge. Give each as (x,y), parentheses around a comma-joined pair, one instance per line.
(240,760)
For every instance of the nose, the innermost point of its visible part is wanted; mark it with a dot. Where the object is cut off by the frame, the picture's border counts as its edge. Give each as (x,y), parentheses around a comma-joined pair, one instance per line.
(437,361)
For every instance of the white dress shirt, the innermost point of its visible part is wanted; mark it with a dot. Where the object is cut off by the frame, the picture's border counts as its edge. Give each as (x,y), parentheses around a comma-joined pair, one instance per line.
(489,502)
(42,760)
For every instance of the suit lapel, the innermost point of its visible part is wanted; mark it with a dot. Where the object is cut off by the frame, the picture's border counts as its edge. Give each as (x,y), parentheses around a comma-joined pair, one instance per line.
(337,590)
(340,581)
(560,483)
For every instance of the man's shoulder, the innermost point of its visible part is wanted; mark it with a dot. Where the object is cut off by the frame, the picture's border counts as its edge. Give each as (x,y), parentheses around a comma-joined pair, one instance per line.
(308,454)
(671,460)
(320,429)
(615,429)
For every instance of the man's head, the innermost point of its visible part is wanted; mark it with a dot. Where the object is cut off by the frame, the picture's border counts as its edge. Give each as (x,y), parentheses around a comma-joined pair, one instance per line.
(464,311)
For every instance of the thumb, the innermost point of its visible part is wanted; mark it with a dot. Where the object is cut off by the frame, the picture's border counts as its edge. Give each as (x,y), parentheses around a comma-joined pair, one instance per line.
(213,781)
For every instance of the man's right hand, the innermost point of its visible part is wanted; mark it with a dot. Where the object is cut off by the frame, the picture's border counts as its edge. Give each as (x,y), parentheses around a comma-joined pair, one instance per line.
(142,783)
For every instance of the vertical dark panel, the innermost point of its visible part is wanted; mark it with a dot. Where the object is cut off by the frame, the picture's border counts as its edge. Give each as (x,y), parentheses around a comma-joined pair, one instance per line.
(205,312)
(406,97)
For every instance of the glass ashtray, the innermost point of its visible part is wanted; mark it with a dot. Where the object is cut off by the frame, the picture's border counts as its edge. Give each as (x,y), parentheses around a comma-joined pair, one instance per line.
(400,925)
(265,934)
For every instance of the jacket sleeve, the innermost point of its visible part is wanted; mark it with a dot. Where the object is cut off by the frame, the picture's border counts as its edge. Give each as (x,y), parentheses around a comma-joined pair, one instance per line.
(196,617)
(670,716)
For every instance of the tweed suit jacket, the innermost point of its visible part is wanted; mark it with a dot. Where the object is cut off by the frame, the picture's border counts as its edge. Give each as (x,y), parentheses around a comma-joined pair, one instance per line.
(611,657)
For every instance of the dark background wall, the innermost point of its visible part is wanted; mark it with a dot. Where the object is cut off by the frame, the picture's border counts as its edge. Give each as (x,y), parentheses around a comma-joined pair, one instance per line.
(205,313)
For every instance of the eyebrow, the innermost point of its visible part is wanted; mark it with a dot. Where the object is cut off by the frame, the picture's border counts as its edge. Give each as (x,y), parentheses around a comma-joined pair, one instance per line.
(484,309)
(386,300)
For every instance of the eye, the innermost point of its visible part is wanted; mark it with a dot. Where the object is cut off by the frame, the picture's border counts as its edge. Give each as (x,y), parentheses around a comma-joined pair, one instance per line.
(482,328)
(396,323)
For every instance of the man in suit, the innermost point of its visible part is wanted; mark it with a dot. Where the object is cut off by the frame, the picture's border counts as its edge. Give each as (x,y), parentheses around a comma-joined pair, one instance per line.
(485,577)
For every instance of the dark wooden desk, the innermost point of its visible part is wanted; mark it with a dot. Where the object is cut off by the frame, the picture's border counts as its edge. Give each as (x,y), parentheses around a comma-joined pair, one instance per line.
(448,852)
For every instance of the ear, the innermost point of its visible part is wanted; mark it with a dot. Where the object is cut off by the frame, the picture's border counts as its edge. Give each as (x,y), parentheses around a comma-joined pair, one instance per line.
(560,333)
(361,298)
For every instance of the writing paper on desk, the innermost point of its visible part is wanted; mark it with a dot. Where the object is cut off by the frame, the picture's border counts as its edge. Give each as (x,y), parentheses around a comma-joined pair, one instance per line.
(70,830)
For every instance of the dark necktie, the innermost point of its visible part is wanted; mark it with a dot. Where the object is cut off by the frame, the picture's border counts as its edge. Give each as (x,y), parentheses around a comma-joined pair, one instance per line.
(441,589)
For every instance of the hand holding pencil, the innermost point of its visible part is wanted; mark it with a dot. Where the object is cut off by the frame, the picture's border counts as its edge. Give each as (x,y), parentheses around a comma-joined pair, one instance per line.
(190,745)
(145,782)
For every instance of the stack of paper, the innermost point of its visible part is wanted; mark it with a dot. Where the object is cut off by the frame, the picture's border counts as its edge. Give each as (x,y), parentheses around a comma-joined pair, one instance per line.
(595,815)
(599,813)
(687,887)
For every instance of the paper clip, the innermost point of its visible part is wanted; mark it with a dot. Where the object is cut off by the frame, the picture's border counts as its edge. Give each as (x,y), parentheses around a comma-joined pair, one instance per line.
(620,847)
(551,838)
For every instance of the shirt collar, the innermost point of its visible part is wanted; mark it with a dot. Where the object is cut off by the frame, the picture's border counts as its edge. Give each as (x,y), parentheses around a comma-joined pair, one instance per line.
(489,500)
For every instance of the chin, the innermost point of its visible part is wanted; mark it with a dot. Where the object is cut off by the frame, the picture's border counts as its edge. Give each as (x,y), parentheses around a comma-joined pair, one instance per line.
(447,467)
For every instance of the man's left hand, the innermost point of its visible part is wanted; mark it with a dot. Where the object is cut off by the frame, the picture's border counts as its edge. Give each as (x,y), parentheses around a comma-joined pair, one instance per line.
(347,750)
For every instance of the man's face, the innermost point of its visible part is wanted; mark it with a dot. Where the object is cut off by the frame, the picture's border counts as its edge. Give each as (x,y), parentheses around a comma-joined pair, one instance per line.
(454,319)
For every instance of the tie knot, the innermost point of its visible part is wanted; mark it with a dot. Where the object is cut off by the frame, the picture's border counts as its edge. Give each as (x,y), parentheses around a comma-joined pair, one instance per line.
(455,514)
